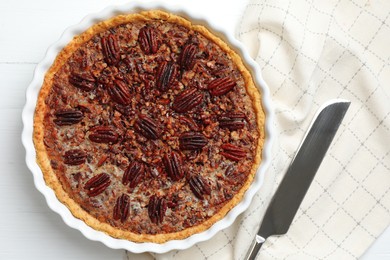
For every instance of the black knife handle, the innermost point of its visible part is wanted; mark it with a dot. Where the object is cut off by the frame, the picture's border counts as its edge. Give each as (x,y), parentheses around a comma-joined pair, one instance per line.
(254,248)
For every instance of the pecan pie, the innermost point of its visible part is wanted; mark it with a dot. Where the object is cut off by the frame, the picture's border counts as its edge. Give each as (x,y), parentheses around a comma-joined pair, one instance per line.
(148,127)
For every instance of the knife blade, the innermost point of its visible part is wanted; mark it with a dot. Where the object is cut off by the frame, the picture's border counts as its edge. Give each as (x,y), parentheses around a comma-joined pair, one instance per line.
(292,189)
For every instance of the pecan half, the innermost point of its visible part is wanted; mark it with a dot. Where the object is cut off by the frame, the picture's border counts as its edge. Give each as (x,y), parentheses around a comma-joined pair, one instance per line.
(199,186)
(121,208)
(187,100)
(84,81)
(190,122)
(147,127)
(187,56)
(233,152)
(221,86)
(156,209)
(68,116)
(166,74)
(97,184)
(75,157)
(133,174)
(147,39)
(119,92)
(110,48)
(173,165)
(103,134)
(232,121)
(192,141)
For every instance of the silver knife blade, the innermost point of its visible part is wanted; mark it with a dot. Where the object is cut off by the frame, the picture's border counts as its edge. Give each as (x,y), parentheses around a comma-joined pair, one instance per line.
(291,191)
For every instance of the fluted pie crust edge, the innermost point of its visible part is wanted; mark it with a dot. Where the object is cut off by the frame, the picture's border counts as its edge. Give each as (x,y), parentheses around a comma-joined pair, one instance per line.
(43,159)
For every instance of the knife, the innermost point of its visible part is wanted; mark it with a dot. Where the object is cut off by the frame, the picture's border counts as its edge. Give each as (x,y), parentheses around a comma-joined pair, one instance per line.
(300,173)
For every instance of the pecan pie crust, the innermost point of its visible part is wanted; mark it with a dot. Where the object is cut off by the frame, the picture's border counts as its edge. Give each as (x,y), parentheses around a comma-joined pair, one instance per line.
(149,183)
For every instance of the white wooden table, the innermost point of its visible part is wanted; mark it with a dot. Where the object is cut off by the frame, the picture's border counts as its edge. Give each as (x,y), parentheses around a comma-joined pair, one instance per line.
(28,228)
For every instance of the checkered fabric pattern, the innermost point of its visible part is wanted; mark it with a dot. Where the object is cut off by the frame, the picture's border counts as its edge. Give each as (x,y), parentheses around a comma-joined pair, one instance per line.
(311,51)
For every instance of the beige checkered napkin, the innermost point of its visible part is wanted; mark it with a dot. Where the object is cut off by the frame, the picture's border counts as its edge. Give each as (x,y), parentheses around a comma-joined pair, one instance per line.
(311,51)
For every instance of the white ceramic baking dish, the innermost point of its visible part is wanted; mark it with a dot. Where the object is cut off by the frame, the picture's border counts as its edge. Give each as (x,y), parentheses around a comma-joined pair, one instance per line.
(62,210)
